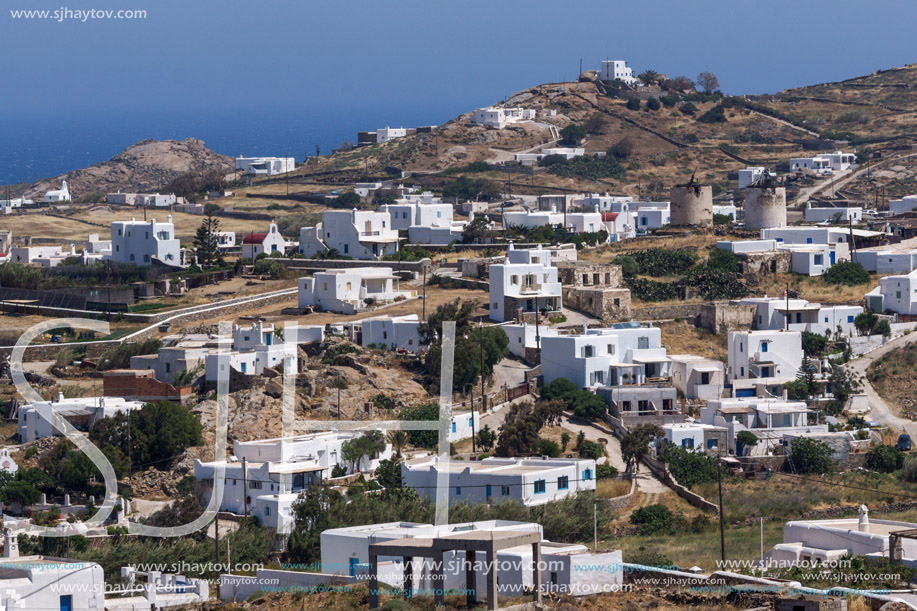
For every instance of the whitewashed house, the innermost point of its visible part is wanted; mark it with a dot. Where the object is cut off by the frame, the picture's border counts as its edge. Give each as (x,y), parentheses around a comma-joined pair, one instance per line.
(498,117)
(566,568)
(275,472)
(226,239)
(770,420)
(140,242)
(908,203)
(269,242)
(652,215)
(189,354)
(526,335)
(529,481)
(698,377)
(82,412)
(750,175)
(772,314)
(696,436)
(614,356)
(348,290)
(406,214)
(528,220)
(617,70)
(254,349)
(7,464)
(394,332)
(384,134)
(40,256)
(896,294)
(820,214)
(41,582)
(360,234)
(58,195)
(767,355)
(265,166)
(604,202)
(525,282)
(825,163)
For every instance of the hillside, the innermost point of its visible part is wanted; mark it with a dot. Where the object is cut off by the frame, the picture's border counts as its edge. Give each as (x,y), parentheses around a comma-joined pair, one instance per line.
(144,166)
(666,145)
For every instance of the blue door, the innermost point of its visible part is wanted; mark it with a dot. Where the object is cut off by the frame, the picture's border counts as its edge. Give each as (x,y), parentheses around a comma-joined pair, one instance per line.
(745,392)
(831,257)
(66,603)
(353,566)
(488,490)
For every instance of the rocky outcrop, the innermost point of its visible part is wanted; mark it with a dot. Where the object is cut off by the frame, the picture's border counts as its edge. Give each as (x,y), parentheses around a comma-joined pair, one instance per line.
(143,167)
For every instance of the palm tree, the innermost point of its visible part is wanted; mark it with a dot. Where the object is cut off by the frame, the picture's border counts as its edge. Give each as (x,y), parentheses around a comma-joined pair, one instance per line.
(340,383)
(399,441)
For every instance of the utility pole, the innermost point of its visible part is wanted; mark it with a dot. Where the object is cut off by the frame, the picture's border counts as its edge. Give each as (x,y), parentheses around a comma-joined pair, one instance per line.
(787,317)
(216,541)
(595,518)
(853,246)
(245,486)
(423,315)
(474,443)
(719,482)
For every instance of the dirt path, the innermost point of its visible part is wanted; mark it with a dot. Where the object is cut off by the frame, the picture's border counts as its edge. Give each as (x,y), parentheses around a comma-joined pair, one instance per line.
(879,409)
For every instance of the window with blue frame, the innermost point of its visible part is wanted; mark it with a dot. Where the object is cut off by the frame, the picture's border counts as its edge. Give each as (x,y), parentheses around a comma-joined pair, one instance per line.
(540,486)
(458,491)
(587,474)
(471,422)
(563,483)
(763,346)
(453,427)
(850,319)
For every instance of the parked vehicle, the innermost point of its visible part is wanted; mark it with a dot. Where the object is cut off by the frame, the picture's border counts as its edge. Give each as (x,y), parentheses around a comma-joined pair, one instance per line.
(904,443)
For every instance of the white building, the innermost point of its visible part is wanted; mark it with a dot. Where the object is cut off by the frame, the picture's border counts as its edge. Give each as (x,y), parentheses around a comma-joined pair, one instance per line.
(824,163)
(566,568)
(17,202)
(254,349)
(771,355)
(694,436)
(853,214)
(621,354)
(770,420)
(226,239)
(405,213)
(139,242)
(40,582)
(750,175)
(265,166)
(271,241)
(277,470)
(606,202)
(40,256)
(811,234)
(896,294)
(526,281)
(35,418)
(348,290)
(384,134)
(698,377)
(499,118)
(58,195)
(814,542)
(529,481)
(361,234)
(189,354)
(908,203)
(726,210)
(394,332)
(526,335)
(617,70)
(803,316)
(528,219)
(7,464)
(814,259)
(651,215)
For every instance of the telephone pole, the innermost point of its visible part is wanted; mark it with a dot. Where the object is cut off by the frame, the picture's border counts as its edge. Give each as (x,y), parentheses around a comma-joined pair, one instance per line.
(245,486)
(719,483)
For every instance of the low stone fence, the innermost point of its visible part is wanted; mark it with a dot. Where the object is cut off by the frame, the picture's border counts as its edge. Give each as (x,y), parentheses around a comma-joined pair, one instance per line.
(688,311)
(323,264)
(620,502)
(661,470)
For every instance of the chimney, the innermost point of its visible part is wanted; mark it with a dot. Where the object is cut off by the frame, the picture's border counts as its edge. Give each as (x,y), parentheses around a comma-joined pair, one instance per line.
(863,525)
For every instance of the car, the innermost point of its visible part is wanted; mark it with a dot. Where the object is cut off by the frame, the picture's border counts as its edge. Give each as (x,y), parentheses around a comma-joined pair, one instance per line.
(873,424)
(904,443)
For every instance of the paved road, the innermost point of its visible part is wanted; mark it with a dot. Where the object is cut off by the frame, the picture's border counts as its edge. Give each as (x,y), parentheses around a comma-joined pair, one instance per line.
(879,409)
(646,481)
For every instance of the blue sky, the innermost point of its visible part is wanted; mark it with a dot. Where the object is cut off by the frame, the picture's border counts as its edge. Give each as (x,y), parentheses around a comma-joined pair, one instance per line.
(236,54)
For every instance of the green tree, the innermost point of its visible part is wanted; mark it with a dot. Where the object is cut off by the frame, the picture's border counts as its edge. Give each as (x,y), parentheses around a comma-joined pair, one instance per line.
(847,273)
(206,240)
(564,441)
(635,444)
(486,438)
(399,441)
(632,103)
(653,519)
(313,513)
(549,448)
(621,149)
(652,104)
(477,231)
(426,411)
(368,445)
(884,458)
(747,439)
(591,450)
(811,456)
(572,134)
(388,474)
(648,77)
(522,424)
(596,124)
(725,261)
(18,495)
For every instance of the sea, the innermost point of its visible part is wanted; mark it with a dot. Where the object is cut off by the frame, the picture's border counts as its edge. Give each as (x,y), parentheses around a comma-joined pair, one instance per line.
(37,144)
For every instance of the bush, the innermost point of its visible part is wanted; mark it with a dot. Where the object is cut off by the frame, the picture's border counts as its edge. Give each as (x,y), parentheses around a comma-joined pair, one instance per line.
(810,456)
(546,447)
(714,115)
(270,268)
(688,108)
(847,273)
(909,470)
(688,467)
(596,124)
(664,262)
(669,100)
(884,459)
(572,134)
(589,167)
(654,519)
(621,149)
(650,290)
(591,450)
(814,344)
(120,356)
(604,471)
(652,104)
(633,104)
(723,260)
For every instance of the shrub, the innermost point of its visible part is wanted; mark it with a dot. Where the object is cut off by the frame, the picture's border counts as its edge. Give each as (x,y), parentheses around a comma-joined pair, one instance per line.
(688,467)
(688,108)
(596,124)
(546,447)
(270,268)
(669,100)
(814,344)
(621,149)
(723,260)
(714,115)
(591,449)
(884,459)
(847,273)
(909,470)
(572,134)
(604,471)
(653,519)
(633,104)
(811,456)
(652,104)
(589,167)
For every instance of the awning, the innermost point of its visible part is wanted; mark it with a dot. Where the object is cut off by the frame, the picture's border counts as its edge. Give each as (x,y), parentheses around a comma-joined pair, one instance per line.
(708,368)
(652,359)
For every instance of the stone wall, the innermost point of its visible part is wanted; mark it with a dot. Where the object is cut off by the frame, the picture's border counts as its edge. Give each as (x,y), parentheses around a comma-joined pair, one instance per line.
(609,304)
(755,264)
(583,274)
(724,316)
(688,311)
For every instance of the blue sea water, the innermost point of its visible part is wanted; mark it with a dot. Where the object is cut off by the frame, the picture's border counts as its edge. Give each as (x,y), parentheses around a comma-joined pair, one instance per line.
(39,144)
